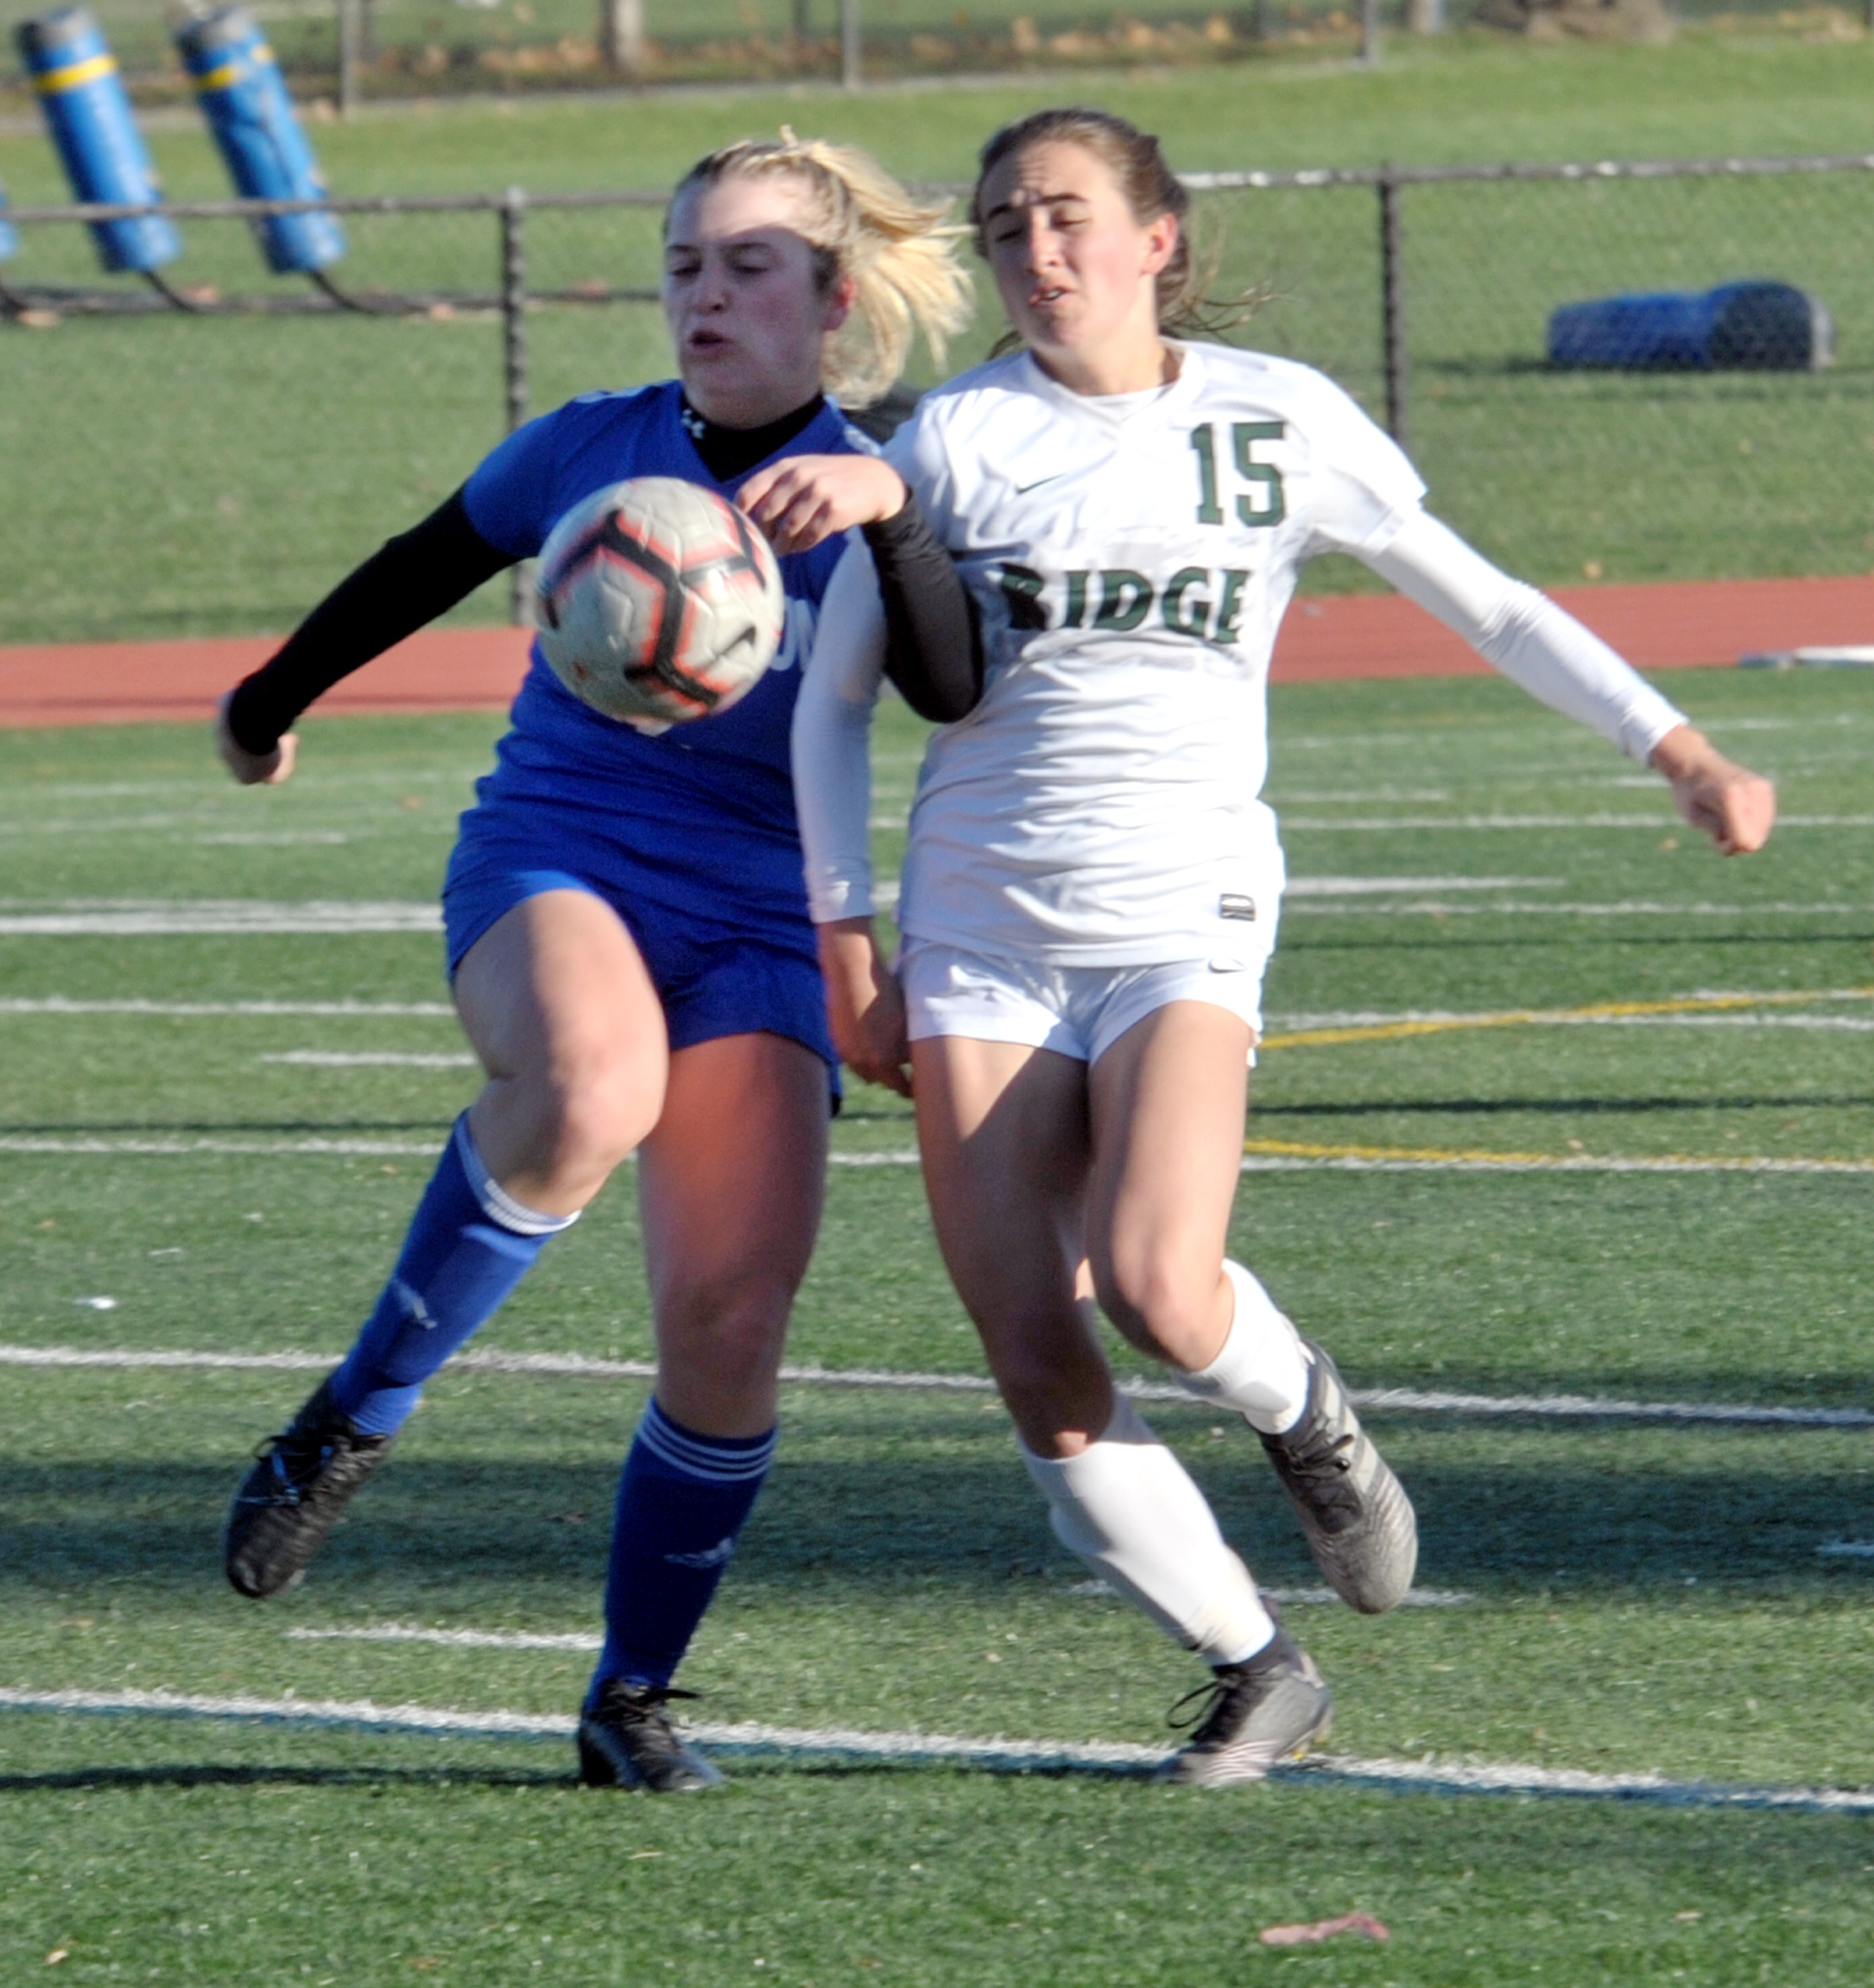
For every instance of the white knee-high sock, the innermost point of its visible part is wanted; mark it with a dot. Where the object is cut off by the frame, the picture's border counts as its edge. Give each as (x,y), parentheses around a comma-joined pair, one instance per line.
(1127,1508)
(1262,1372)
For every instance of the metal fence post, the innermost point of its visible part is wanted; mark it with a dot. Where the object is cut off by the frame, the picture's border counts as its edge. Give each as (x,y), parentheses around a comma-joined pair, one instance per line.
(514,351)
(1369,33)
(1392,306)
(850,78)
(622,36)
(348,38)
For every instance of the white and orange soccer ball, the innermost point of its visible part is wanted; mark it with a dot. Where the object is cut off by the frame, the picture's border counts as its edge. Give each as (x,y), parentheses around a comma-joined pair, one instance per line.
(658,603)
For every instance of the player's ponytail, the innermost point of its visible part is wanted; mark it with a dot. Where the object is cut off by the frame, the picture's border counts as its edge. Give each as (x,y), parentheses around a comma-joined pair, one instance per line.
(1138,164)
(862,223)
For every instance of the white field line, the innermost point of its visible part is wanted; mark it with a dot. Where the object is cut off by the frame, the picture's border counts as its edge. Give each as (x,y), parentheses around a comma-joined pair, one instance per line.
(379,1059)
(1380,824)
(1284,1598)
(58,1004)
(528,1639)
(1363,1160)
(1423,1776)
(164,918)
(1621,908)
(1403,886)
(1848,1549)
(578,1367)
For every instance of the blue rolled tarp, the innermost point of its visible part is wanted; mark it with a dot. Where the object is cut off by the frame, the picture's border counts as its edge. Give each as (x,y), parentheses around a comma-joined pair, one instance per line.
(88,111)
(1753,326)
(243,96)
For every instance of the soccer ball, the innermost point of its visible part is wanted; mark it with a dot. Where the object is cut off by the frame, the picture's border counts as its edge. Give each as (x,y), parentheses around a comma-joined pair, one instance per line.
(658,603)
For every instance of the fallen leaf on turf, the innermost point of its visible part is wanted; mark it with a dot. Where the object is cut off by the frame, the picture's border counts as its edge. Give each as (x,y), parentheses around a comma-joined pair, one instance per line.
(1306,1936)
(56,1956)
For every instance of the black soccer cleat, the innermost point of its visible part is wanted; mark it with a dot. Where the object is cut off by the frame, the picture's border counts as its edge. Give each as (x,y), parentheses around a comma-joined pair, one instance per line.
(301,1480)
(628,1741)
(1271,1709)
(1360,1525)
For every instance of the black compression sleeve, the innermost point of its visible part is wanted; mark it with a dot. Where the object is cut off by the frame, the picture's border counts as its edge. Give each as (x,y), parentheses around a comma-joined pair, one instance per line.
(408,581)
(933,646)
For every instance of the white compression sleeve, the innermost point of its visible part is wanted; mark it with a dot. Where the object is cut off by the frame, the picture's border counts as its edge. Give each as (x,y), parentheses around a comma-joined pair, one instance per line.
(1127,1508)
(1525,635)
(833,740)
(1260,1370)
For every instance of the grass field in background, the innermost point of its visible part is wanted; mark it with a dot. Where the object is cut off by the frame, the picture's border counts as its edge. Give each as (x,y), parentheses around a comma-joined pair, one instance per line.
(244,465)
(1642,1597)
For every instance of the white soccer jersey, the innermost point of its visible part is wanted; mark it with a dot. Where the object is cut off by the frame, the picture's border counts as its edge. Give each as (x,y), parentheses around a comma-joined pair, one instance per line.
(1129,559)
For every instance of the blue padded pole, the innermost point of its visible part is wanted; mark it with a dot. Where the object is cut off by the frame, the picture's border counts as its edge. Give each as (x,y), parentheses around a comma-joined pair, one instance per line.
(88,111)
(243,96)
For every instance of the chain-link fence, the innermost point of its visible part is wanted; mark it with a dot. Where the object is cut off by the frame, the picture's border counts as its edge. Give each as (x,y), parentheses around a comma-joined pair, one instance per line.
(1425,293)
(397,48)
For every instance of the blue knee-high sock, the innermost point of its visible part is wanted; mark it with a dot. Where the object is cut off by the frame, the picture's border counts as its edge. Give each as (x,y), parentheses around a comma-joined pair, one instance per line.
(470,1243)
(683,1502)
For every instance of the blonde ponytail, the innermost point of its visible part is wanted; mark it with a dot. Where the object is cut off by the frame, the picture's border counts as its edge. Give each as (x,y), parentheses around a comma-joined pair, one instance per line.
(862,223)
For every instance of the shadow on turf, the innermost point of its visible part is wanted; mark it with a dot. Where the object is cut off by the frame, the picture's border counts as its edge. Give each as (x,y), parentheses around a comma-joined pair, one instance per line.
(207,1775)
(1599,1509)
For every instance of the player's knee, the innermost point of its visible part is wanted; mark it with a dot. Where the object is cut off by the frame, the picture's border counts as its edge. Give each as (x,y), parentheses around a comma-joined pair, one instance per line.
(1158,1304)
(591,1111)
(732,1319)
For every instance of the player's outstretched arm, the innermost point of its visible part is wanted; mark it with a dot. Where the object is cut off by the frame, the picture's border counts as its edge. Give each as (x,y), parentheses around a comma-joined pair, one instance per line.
(253,769)
(408,581)
(1539,646)
(1736,807)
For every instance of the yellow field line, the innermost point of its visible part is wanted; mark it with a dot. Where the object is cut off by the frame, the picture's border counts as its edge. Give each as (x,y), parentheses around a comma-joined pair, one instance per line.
(1393,1031)
(1560,1161)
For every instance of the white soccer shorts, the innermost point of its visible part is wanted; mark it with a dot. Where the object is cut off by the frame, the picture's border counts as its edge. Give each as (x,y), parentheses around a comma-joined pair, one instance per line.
(1077,1011)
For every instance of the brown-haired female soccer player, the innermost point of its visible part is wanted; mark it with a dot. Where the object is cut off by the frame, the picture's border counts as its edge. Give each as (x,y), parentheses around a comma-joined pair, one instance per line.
(628,936)
(1092,887)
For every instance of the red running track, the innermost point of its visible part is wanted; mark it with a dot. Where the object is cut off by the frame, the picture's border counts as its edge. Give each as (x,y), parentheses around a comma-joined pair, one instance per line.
(1681,624)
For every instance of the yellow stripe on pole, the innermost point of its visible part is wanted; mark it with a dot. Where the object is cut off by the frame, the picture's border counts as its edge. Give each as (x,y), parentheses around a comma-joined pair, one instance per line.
(223,78)
(1395,1032)
(74,75)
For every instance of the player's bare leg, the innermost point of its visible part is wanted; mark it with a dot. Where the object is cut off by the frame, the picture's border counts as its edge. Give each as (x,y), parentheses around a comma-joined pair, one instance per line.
(1002,1130)
(730,1185)
(1167,1115)
(1004,1134)
(557,1004)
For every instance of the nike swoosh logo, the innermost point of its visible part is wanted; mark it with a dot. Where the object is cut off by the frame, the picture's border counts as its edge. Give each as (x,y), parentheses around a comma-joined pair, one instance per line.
(1022,489)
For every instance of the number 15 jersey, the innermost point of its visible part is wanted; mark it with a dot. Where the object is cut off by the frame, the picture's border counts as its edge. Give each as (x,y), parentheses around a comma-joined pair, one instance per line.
(1130,558)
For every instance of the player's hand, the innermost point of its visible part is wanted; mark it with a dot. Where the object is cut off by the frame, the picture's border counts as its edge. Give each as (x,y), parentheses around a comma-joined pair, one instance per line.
(803,499)
(1736,808)
(253,769)
(864,1007)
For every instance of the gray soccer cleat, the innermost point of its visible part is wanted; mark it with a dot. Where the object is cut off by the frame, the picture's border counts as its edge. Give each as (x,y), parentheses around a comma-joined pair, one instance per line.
(1259,1713)
(301,1480)
(627,1741)
(1359,1523)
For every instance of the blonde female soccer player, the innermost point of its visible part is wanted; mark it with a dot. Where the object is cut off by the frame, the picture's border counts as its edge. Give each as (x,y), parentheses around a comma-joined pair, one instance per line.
(1092,887)
(628,935)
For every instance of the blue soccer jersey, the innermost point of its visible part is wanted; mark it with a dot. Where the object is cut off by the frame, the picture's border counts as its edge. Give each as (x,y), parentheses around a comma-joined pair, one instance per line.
(705,811)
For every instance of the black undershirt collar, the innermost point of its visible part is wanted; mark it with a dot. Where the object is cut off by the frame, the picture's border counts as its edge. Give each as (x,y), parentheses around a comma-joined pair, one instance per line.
(730,452)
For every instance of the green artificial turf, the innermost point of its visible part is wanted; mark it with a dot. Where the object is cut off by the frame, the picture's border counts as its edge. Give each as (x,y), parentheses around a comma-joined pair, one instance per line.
(1636,1597)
